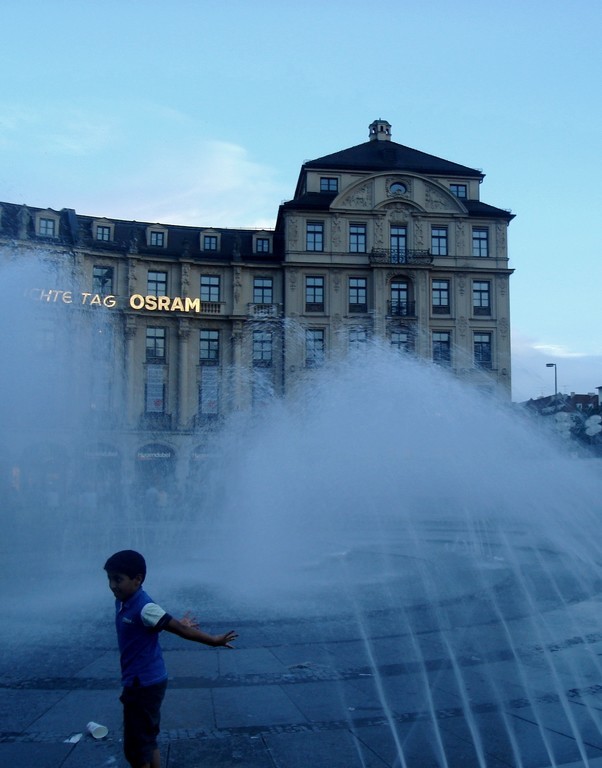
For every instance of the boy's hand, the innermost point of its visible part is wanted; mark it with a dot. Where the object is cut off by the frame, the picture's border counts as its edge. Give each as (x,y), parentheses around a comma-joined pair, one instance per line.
(189,621)
(226,640)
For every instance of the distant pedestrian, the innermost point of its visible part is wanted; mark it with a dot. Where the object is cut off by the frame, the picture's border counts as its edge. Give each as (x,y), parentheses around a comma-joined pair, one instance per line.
(143,674)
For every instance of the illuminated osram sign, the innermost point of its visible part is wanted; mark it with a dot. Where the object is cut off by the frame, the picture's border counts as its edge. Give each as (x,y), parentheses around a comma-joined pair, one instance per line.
(136,302)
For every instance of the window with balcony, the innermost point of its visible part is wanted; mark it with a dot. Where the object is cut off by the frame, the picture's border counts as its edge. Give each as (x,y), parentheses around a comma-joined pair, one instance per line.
(209,347)
(442,348)
(400,305)
(314,294)
(481,297)
(156,283)
(314,347)
(482,350)
(480,242)
(358,294)
(263,290)
(439,241)
(440,296)
(210,288)
(398,240)
(357,238)
(102,280)
(329,184)
(314,236)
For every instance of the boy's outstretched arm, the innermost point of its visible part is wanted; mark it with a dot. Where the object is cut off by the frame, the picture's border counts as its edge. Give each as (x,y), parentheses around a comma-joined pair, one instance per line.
(191,632)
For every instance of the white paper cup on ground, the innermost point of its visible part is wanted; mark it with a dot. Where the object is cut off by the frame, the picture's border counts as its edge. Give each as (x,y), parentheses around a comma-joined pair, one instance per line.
(97,730)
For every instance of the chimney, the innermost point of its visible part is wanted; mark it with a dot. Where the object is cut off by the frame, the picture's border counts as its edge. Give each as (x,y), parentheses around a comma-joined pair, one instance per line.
(380,130)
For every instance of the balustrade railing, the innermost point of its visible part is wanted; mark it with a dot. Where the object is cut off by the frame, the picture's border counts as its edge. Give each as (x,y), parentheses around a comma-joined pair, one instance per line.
(400,256)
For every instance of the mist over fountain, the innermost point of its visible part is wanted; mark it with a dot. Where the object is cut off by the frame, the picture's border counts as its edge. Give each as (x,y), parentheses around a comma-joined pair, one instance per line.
(383,506)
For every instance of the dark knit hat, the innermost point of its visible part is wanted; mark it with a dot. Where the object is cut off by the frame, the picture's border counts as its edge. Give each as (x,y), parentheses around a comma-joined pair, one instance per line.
(127,561)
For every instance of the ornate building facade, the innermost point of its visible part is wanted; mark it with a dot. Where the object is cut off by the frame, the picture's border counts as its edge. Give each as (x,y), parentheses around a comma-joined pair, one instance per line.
(155,332)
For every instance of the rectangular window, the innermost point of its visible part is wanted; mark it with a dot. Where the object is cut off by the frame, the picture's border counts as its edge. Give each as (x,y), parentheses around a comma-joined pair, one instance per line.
(209,348)
(262,349)
(47,227)
(442,347)
(481,297)
(210,242)
(314,347)
(480,242)
(459,190)
(401,339)
(439,241)
(156,283)
(400,304)
(398,243)
(262,245)
(157,238)
(102,280)
(209,392)
(210,288)
(329,184)
(155,344)
(357,238)
(357,338)
(263,290)
(103,233)
(262,387)
(358,294)
(482,350)
(440,290)
(314,294)
(154,389)
(314,237)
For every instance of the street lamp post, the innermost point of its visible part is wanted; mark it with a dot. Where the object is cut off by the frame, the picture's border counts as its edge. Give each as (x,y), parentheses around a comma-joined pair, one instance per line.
(553,365)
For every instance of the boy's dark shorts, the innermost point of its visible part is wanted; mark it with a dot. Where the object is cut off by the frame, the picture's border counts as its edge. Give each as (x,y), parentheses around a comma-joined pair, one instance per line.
(141,721)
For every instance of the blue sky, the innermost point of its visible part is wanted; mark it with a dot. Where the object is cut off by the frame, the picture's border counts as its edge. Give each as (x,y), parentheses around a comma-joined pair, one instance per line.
(203,112)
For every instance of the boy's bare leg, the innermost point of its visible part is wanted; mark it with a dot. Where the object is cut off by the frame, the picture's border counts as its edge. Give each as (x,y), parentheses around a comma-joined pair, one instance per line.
(155,762)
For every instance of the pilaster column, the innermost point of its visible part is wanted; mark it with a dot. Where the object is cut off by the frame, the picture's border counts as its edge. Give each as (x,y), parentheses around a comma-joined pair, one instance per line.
(183,337)
(131,329)
(237,361)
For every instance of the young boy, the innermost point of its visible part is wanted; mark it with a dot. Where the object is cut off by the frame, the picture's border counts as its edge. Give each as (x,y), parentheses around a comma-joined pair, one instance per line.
(143,674)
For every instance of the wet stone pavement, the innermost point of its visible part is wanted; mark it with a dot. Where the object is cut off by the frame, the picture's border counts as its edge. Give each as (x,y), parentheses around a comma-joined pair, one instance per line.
(313,693)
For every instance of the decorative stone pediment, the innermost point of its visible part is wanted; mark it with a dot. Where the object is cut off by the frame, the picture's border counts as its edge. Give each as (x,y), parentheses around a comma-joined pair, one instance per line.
(359,197)
(438,200)
(399,213)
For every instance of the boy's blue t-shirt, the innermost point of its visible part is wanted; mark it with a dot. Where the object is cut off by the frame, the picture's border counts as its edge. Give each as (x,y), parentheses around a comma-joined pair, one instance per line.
(138,622)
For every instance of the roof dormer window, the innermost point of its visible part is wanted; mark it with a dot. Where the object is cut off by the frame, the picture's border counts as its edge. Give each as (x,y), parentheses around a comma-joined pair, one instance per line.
(103,230)
(210,241)
(156,237)
(459,190)
(262,242)
(329,184)
(47,224)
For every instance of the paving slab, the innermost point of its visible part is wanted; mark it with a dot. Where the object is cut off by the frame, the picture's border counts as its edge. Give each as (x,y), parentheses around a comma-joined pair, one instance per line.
(322,689)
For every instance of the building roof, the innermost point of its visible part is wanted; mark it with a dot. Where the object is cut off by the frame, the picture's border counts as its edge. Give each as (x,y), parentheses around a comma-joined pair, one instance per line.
(76,230)
(378,156)
(321,201)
